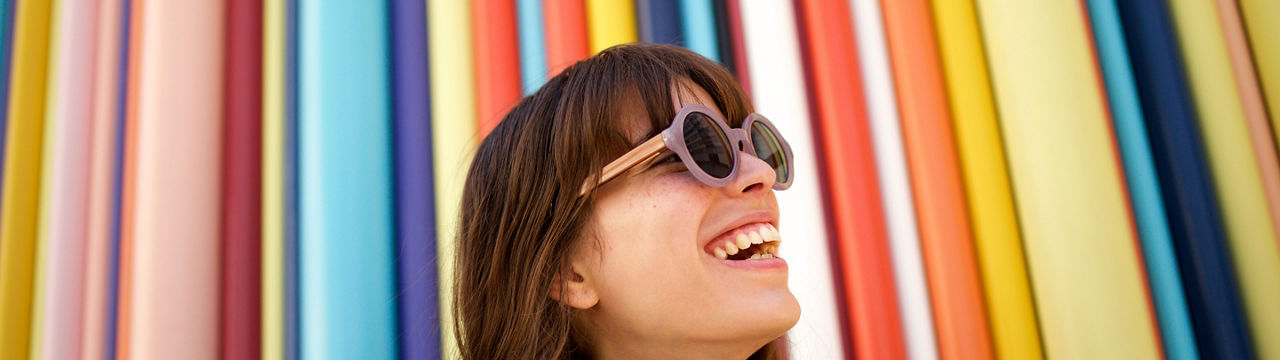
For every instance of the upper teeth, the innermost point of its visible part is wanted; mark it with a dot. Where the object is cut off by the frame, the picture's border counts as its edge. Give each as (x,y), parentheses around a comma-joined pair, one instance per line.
(747,237)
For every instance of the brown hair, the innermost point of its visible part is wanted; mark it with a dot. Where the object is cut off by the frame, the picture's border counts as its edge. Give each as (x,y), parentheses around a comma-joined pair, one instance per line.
(521,212)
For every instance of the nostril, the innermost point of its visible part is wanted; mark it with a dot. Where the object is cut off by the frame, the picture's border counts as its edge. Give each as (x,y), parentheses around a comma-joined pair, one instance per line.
(752,187)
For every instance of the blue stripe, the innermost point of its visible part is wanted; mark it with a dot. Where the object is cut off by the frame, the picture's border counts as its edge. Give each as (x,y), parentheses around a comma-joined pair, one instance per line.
(1144,188)
(699,21)
(415,195)
(533,46)
(6,31)
(659,21)
(1195,221)
(117,184)
(346,213)
(292,323)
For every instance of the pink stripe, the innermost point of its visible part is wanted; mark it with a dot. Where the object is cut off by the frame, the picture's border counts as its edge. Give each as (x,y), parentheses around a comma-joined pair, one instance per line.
(173,244)
(71,106)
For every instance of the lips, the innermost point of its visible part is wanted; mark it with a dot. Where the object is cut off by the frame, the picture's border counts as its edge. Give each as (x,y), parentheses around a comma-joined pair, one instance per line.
(748,242)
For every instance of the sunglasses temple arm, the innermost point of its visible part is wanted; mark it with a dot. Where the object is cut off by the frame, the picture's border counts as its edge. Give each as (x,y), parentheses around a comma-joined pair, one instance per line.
(644,152)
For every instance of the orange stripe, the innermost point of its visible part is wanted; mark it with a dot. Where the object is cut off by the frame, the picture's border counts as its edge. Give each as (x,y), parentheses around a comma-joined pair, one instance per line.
(945,235)
(852,187)
(566,31)
(497,61)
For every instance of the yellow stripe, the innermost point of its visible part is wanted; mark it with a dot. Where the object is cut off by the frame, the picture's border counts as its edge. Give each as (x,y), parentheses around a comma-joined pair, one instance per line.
(273,138)
(1235,171)
(1264,40)
(610,22)
(19,212)
(995,225)
(1089,292)
(453,137)
(46,183)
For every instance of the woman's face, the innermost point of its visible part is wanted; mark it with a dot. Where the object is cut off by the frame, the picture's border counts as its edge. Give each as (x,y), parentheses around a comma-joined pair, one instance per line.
(651,260)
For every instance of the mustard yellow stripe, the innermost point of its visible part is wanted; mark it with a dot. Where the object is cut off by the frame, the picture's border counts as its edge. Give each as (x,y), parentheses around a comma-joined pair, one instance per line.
(1089,293)
(273,143)
(20,209)
(986,178)
(453,137)
(1264,40)
(1235,170)
(610,22)
(39,286)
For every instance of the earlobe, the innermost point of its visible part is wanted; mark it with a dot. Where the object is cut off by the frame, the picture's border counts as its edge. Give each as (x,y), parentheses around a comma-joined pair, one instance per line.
(574,291)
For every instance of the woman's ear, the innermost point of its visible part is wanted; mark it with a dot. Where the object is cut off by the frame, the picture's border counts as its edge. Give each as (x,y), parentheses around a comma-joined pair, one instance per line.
(569,287)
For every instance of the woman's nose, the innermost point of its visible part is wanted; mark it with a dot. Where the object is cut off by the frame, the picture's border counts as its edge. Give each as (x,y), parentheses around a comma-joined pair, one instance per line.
(753,174)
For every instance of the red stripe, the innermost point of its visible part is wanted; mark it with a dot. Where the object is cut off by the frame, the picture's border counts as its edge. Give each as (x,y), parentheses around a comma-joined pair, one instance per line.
(738,43)
(565,24)
(849,179)
(497,61)
(241,182)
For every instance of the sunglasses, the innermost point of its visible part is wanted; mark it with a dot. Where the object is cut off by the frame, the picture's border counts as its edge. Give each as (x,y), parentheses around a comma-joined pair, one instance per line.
(709,148)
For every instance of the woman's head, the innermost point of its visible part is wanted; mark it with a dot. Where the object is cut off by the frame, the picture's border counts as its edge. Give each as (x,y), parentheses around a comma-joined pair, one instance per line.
(630,267)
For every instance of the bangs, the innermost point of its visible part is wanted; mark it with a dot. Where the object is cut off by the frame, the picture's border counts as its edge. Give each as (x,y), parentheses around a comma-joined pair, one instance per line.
(642,78)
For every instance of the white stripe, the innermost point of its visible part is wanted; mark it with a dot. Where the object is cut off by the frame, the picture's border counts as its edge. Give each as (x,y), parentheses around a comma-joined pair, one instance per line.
(895,185)
(777,81)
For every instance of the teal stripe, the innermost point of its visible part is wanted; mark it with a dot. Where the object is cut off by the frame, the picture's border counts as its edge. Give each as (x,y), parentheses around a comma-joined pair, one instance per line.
(533,47)
(1144,189)
(346,248)
(699,21)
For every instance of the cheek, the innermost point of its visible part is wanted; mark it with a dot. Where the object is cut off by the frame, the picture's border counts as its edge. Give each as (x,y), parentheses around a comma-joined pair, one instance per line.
(648,238)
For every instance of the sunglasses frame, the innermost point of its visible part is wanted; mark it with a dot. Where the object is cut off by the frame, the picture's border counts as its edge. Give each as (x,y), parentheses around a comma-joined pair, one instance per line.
(672,138)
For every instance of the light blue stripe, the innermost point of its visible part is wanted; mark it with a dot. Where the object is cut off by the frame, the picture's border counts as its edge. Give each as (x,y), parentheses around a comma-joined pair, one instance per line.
(346,248)
(533,46)
(1144,189)
(699,21)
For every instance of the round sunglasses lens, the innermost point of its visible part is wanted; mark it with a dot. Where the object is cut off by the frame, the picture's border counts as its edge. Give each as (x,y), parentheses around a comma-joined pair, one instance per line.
(769,148)
(708,145)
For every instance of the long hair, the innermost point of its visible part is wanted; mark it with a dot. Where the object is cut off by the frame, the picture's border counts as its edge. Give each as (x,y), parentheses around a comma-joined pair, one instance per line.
(521,209)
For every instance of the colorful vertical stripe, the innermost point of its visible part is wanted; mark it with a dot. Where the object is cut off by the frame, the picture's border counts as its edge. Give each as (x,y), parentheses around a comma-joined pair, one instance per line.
(609,23)
(419,333)
(60,259)
(698,24)
(175,196)
(20,191)
(533,45)
(346,246)
(453,136)
(497,60)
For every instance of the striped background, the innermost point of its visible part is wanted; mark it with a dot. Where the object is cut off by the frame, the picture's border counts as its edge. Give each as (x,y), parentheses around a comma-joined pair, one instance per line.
(279,179)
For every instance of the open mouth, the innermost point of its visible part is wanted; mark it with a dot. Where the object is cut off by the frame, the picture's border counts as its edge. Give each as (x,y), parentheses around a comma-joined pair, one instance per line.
(750,242)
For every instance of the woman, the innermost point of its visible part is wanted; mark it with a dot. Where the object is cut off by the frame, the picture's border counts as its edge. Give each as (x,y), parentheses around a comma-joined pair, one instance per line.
(593,228)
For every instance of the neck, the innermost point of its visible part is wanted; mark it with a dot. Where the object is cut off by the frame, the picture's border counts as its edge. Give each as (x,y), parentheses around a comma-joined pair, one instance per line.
(608,345)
